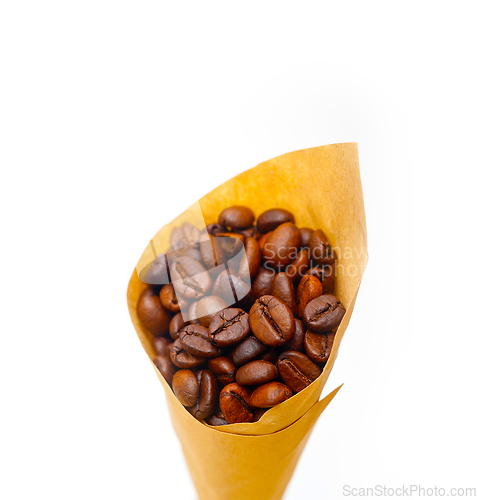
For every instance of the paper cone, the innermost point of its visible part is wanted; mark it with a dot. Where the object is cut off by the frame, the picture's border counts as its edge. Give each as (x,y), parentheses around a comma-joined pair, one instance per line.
(322,188)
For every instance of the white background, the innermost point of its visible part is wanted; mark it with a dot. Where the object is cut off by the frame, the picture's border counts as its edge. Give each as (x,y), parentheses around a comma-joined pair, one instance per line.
(116,116)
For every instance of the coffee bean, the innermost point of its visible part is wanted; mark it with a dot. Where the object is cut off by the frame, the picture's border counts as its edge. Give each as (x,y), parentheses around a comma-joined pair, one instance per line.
(213,229)
(262,284)
(283,289)
(235,404)
(176,325)
(237,217)
(256,373)
(184,238)
(270,394)
(170,300)
(263,240)
(318,345)
(300,265)
(223,368)
(207,307)
(153,315)
(323,314)
(321,251)
(271,219)
(186,387)
(250,263)
(258,413)
(231,243)
(216,421)
(195,340)
(297,370)
(190,278)
(165,366)
(208,395)
(183,359)
(161,345)
(211,251)
(223,286)
(326,275)
(229,327)
(271,354)
(271,321)
(247,350)
(309,288)
(249,232)
(245,295)
(157,272)
(306,233)
(296,342)
(281,246)
(192,313)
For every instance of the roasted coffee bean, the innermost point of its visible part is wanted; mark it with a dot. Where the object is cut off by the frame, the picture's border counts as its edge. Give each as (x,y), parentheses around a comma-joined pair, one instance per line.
(223,368)
(223,286)
(153,315)
(326,275)
(195,340)
(208,395)
(250,263)
(247,350)
(213,229)
(262,284)
(161,345)
(270,394)
(271,354)
(170,300)
(165,366)
(306,233)
(318,345)
(263,239)
(271,321)
(236,217)
(283,289)
(216,421)
(190,278)
(211,251)
(281,246)
(249,232)
(207,307)
(297,370)
(321,251)
(176,325)
(235,404)
(258,413)
(323,314)
(184,238)
(157,273)
(183,359)
(296,342)
(229,327)
(192,313)
(309,288)
(231,243)
(256,373)
(300,265)
(186,387)
(271,219)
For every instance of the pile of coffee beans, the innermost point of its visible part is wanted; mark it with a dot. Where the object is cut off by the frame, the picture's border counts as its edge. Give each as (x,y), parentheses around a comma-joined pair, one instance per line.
(241,314)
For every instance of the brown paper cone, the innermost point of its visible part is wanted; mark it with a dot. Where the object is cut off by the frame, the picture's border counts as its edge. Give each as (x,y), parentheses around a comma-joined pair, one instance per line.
(322,187)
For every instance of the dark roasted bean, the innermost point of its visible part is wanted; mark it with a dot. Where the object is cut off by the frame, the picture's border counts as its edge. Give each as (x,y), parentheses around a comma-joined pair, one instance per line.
(207,307)
(300,265)
(165,366)
(248,232)
(270,394)
(223,368)
(271,354)
(176,325)
(320,250)
(318,345)
(153,315)
(161,345)
(250,263)
(216,421)
(231,243)
(211,251)
(306,233)
(229,327)
(236,217)
(283,289)
(184,238)
(157,272)
(323,314)
(213,229)
(195,340)
(326,275)
(262,284)
(297,370)
(271,219)
(271,321)
(258,413)
(186,387)
(256,373)
(183,359)
(208,395)
(263,239)
(309,288)
(170,300)
(281,246)
(235,404)
(190,278)
(247,350)
(296,342)
(192,313)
